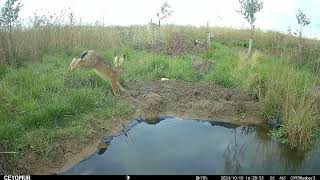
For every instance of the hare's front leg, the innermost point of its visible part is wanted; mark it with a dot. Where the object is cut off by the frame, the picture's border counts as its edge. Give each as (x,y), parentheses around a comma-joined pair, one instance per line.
(114,87)
(120,87)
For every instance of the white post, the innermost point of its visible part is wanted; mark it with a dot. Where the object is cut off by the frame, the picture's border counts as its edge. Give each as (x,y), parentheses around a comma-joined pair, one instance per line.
(250,42)
(209,35)
(250,47)
(150,32)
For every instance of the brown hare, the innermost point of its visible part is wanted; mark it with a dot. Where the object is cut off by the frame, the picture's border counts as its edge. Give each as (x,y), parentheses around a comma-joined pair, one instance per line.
(92,60)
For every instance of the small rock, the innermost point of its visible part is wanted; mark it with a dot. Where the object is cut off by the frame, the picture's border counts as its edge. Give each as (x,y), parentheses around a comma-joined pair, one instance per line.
(164,79)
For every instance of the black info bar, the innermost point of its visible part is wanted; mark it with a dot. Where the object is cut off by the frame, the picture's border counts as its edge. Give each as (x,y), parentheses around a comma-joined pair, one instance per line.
(185,177)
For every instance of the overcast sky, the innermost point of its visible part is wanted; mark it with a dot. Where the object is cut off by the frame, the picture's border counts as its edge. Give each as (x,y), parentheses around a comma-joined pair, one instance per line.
(276,15)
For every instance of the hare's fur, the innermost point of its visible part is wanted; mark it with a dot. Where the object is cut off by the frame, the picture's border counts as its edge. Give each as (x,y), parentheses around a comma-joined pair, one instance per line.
(92,60)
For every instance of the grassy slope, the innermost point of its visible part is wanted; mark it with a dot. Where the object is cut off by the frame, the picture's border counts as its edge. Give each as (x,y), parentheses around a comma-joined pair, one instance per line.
(40,103)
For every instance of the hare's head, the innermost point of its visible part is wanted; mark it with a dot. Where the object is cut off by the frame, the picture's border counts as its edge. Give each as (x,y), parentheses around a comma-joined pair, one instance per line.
(87,60)
(118,60)
(74,64)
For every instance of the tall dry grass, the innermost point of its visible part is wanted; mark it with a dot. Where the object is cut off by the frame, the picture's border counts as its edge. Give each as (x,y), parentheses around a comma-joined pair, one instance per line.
(31,44)
(289,98)
(49,33)
(300,119)
(288,95)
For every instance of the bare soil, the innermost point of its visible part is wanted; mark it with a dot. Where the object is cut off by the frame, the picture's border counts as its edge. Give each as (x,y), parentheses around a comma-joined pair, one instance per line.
(178,45)
(152,99)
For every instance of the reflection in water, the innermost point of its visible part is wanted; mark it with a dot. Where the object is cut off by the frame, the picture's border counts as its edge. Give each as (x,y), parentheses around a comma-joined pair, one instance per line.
(174,146)
(264,153)
(231,157)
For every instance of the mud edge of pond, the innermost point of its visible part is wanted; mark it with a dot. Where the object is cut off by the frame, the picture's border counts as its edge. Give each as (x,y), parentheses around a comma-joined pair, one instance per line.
(194,100)
(150,100)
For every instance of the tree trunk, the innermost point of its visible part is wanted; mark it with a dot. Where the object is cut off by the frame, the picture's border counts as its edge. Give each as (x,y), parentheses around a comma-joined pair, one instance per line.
(10,32)
(159,36)
(300,39)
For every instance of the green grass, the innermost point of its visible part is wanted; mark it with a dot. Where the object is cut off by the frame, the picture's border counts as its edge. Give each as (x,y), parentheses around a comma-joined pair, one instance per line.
(152,66)
(41,103)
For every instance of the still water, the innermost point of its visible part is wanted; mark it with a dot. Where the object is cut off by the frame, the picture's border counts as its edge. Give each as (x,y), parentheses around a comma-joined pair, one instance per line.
(175,146)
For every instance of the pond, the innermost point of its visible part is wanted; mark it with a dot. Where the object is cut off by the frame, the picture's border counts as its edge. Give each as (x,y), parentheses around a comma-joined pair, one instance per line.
(196,147)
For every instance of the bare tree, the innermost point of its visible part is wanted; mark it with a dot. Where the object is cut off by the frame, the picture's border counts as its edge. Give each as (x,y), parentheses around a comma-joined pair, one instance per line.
(154,32)
(249,9)
(303,20)
(153,28)
(71,18)
(164,12)
(10,14)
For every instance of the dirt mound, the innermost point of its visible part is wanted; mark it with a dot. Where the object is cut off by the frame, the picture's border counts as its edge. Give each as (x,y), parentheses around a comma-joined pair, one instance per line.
(151,102)
(8,166)
(178,45)
(193,100)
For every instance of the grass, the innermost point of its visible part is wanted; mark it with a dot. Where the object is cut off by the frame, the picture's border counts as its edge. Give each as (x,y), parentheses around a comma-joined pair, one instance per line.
(41,103)
(285,91)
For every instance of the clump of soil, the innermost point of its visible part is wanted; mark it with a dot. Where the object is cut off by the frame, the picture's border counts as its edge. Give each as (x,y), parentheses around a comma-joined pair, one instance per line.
(193,100)
(151,102)
(178,45)
(8,166)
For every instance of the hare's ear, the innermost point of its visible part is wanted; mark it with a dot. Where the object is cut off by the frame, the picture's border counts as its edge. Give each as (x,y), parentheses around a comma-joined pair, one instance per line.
(121,60)
(73,61)
(74,64)
(78,61)
(116,60)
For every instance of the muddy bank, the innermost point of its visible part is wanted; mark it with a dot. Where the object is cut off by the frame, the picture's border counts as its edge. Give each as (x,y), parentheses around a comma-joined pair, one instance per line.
(193,100)
(151,99)
(177,45)
(67,152)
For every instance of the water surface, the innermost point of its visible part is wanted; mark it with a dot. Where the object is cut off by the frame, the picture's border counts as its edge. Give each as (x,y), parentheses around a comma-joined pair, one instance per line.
(175,146)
